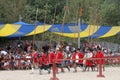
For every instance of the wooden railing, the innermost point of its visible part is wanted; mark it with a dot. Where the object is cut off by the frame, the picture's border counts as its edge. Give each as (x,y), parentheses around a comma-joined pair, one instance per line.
(100,65)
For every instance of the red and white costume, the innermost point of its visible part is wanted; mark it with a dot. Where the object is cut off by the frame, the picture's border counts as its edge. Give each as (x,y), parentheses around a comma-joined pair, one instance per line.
(88,62)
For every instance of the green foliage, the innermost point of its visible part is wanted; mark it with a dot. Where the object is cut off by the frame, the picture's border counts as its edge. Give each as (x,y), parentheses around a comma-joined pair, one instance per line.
(110,12)
(46,9)
(10,10)
(102,12)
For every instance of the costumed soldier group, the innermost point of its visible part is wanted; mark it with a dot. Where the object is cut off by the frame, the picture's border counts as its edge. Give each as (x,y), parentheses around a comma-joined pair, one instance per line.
(63,59)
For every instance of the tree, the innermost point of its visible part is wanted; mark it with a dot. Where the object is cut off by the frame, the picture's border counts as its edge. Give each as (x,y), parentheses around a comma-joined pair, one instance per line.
(11,10)
(110,12)
(44,6)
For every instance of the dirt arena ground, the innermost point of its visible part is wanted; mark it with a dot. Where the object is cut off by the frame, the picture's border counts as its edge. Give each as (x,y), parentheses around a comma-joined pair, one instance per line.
(111,73)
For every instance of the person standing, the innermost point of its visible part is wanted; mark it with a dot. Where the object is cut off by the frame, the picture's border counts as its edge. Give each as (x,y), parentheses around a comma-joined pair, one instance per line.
(43,63)
(51,57)
(58,59)
(87,62)
(74,61)
(34,55)
(99,55)
(94,61)
(12,60)
(65,62)
(80,55)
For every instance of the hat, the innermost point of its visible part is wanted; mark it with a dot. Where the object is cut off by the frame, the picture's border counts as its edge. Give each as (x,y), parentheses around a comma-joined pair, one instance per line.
(57,48)
(52,50)
(74,51)
(98,48)
(78,49)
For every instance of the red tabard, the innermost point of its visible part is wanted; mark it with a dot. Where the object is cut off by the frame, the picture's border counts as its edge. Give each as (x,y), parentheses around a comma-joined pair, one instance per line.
(43,60)
(100,55)
(51,56)
(80,54)
(94,61)
(59,56)
(35,56)
(89,62)
(73,57)
(40,61)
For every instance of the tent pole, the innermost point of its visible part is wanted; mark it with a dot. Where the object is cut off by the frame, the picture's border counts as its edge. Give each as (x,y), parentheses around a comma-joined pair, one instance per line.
(35,28)
(79,33)
(79,22)
(20,19)
(77,11)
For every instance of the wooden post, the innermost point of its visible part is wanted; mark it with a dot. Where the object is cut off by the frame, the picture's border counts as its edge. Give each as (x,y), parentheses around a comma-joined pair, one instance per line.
(100,69)
(54,72)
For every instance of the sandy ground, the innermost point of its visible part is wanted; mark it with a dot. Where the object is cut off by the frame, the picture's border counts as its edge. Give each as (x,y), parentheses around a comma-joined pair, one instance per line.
(111,73)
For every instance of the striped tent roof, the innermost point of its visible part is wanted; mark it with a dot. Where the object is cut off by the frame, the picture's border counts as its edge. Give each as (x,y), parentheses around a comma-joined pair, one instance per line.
(20,29)
(91,31)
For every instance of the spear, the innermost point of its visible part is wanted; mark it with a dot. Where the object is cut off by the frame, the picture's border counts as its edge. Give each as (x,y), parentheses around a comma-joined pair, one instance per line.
(62,28)
(53,21)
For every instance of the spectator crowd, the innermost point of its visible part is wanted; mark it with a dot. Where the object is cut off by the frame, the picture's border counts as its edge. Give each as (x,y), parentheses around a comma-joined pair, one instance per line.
(28,56)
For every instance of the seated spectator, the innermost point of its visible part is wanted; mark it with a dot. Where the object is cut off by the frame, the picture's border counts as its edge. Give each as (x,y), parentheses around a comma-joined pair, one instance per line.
(6,65)
(3,52)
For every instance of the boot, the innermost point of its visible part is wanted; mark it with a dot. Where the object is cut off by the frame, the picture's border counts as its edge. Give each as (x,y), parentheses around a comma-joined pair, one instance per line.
(68,68)
(92,68)
(103,68)
(48,71)
(32,71)
(62,70)
(40,71)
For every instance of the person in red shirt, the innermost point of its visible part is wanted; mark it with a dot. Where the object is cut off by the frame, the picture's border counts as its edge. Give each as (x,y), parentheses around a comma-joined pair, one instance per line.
(87,62)
(43,63)
(94,61)
(80,55)
(34,56)
(74,61)
(51,57)
(66,62)
(58,60)
(100,54)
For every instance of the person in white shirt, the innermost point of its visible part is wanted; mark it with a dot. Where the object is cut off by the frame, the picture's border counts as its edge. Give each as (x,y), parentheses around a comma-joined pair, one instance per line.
(87,55)
(3,52)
